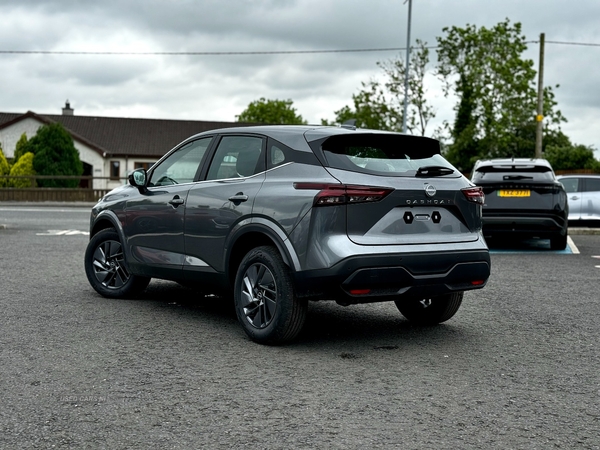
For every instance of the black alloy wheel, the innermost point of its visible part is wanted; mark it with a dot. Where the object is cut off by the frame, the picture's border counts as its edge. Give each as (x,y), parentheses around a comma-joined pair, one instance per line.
(265,301)
(260,295)
(106,268)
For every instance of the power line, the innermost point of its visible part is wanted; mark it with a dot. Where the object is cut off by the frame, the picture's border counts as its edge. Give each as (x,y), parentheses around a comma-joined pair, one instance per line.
(275,52)
(586,44)
(573,43)
(240,53)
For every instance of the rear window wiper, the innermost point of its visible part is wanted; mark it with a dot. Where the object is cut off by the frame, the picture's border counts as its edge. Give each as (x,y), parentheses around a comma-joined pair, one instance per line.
(433,171)
(516,177)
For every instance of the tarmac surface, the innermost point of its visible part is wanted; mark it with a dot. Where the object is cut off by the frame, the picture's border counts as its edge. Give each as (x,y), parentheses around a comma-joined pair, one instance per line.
(518,367)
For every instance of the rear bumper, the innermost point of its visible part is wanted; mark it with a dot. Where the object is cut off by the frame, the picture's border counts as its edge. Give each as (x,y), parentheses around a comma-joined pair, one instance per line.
(534,225)
(365,279)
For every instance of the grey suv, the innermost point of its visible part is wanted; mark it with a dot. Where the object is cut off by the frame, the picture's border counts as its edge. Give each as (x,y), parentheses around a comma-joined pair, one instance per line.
(279,215)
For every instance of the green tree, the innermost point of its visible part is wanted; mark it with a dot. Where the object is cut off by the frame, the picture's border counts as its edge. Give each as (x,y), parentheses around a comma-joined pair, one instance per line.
(23,167)
(466,146)
(572,157)
(496,90)
(276,112)
(380,104)
(20,148)
(4,169)
(371,109)
(54,154)
(419,111)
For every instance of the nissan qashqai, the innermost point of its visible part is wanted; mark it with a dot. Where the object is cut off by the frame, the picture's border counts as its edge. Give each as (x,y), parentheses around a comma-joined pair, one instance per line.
(280,215)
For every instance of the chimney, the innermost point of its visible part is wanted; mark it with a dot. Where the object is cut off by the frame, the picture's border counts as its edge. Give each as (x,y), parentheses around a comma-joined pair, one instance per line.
(67,110)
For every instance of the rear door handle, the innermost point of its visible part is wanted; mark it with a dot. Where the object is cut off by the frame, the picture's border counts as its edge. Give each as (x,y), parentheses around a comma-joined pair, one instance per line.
(176,201)
(574,198)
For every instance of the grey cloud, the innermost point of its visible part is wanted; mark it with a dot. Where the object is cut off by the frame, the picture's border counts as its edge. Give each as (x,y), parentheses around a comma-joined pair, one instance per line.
(219,87)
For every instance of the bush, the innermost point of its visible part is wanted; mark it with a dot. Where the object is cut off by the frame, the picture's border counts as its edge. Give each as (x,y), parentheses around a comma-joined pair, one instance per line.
(23,167)
(54,154)
(4,169)
(20,148)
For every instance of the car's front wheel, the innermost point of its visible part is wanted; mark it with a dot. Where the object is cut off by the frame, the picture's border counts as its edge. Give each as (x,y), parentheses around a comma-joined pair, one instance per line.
(430,311)
(106,268)
(265,300)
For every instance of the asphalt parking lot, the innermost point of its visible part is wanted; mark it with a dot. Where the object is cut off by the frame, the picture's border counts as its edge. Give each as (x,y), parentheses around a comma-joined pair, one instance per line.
(517,367)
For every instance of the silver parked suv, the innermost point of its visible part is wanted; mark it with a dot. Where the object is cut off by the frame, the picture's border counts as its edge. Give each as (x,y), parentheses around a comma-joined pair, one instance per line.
(280,215)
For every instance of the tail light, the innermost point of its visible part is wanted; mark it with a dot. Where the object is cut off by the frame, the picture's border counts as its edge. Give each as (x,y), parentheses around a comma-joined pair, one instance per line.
(474,194)
(342,194)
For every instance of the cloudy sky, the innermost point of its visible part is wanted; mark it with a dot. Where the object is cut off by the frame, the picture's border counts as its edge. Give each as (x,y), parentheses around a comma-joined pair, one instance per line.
(217,87)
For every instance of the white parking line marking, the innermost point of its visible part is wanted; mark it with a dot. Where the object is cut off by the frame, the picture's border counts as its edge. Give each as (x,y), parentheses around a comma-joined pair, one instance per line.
(63,233)
(572,245)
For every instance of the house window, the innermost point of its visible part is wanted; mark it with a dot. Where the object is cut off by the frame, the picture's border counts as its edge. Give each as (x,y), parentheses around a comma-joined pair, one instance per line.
(142,165)
(115,172)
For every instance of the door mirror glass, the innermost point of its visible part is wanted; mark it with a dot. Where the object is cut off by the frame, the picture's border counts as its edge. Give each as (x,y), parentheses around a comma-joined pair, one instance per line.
(137,178)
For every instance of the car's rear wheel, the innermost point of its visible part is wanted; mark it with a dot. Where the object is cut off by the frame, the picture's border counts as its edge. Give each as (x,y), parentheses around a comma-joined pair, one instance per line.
(265,300)
(106,268)
(430,311)
(558,242)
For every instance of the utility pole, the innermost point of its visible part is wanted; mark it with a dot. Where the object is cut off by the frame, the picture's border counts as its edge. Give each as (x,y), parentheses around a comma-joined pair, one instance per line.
(406,70)
(540,106)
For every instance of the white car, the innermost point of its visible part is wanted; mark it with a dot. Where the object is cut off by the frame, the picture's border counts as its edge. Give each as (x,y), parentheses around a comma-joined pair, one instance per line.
(583,195)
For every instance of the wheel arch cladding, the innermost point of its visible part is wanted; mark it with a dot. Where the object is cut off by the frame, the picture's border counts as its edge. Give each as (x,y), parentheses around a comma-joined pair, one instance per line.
(100,225)
(106,219)
(245,243)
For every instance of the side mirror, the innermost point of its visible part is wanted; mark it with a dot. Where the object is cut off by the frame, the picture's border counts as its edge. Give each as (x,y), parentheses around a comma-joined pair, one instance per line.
(138,179)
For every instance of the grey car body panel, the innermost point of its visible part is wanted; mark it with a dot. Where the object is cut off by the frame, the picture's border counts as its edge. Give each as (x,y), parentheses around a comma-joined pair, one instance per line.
(154,227)
(279,183)
(211,215)
(383,222)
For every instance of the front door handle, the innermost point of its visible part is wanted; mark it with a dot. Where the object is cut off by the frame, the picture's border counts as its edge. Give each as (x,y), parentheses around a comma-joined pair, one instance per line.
(176,201)
(575,197)
(238,198)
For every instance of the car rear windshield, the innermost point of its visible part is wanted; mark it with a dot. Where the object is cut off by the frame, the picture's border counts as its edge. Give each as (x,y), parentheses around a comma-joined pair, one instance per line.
(390,155)
(508,172)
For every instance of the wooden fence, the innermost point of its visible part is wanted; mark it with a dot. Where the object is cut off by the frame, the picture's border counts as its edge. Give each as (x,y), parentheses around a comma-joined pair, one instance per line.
(51,194)
(83,193)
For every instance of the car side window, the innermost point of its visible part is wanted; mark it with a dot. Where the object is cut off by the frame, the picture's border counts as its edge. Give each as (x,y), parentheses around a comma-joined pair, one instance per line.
(181,166)
(276,156)
(592,184)
(570,184)
(236,157)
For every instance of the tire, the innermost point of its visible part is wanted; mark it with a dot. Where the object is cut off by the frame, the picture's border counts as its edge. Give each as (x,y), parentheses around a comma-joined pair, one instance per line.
(265,300)
(106,268)
(558,242)
(430,311)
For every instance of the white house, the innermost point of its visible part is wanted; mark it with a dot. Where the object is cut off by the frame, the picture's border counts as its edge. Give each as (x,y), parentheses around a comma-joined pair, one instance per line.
(109,147)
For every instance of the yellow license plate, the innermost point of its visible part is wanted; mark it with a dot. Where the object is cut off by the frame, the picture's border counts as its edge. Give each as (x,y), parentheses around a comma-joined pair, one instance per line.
(514,193)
